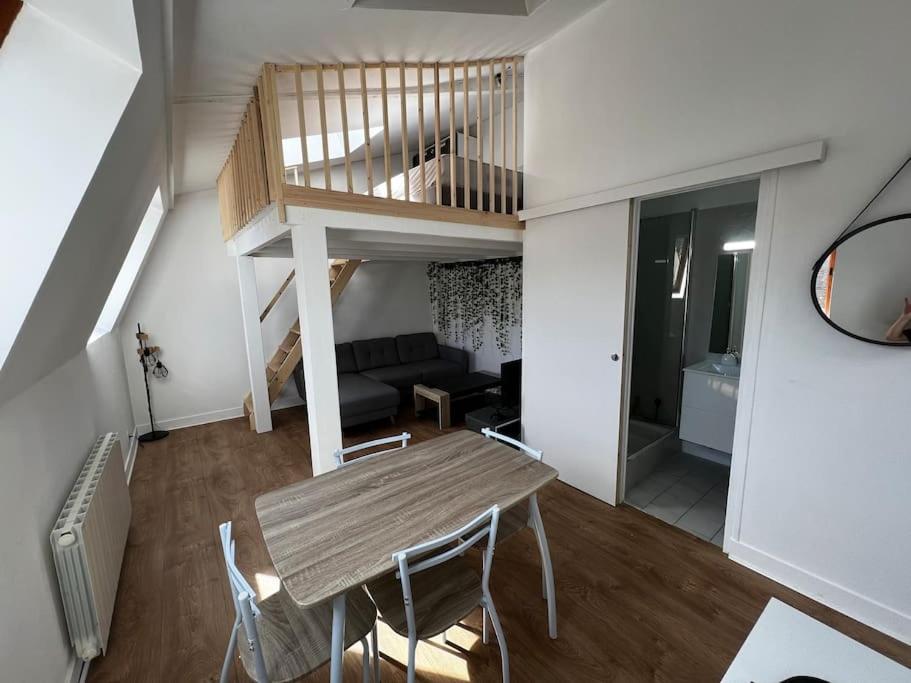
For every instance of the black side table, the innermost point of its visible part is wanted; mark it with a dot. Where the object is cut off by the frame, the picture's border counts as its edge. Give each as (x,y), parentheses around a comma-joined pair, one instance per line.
(504,420)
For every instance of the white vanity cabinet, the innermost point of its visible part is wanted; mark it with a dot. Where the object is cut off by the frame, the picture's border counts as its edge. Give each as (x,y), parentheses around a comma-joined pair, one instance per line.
(709,405)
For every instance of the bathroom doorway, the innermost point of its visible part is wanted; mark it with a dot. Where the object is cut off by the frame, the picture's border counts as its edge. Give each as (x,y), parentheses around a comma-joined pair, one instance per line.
(691,258)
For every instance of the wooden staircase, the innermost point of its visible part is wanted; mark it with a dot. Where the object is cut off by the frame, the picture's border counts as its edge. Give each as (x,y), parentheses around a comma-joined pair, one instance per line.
(281,366)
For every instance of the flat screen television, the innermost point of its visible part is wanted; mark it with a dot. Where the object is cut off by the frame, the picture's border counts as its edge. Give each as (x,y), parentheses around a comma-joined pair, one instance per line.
(511,383)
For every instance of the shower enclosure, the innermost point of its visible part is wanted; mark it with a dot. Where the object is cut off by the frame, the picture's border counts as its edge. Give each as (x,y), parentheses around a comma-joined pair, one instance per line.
(659,336)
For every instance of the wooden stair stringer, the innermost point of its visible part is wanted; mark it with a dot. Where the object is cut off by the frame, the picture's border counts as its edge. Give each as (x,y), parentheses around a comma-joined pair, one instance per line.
(281,366)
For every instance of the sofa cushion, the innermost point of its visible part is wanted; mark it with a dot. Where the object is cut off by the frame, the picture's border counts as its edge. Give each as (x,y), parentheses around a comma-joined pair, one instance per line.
(344,358)
(375,353)
(358,394)
(417,347)
(400,376)
(436,369)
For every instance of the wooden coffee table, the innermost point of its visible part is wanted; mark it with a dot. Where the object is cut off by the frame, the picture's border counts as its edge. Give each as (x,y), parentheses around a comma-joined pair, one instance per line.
(446,391)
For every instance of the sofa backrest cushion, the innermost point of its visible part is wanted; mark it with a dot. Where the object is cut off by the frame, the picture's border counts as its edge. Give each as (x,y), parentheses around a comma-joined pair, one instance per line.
(344,358)
(416,347)
(375,353)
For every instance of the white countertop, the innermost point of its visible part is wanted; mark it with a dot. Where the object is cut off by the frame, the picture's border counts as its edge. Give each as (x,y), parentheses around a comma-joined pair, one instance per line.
(714,366)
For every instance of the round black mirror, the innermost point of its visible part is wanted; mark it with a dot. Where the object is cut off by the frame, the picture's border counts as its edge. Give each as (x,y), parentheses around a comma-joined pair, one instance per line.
(861,286)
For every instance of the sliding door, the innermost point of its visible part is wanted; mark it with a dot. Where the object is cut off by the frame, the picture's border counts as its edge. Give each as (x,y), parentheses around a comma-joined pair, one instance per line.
(574,303)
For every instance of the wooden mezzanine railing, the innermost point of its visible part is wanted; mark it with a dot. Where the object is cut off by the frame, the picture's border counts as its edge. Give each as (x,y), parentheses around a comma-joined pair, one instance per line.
(437,141)
(242,185)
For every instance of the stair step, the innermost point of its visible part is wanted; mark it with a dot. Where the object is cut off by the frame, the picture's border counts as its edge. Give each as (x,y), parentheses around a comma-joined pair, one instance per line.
(278,371)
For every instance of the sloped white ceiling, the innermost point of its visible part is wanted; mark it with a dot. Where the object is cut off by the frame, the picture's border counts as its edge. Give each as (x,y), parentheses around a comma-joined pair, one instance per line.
(110,25)
(93,240)
(220,46)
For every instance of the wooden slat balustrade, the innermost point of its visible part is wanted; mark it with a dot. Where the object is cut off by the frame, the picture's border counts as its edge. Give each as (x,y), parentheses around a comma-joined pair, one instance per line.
(329,155)
(243,189)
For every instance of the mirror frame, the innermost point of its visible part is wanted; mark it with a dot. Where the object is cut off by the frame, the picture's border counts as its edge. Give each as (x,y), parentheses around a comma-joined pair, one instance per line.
(822,259)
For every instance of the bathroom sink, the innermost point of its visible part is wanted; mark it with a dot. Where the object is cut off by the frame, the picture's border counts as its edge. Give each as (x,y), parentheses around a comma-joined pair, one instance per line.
(726,370)
(716,367)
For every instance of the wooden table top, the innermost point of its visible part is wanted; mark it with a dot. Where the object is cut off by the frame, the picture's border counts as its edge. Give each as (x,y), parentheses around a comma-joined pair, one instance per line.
(331,533)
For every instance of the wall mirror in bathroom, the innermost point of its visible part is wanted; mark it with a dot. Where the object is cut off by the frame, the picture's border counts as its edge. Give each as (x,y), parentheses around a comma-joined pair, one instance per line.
(861,285)
(732,276)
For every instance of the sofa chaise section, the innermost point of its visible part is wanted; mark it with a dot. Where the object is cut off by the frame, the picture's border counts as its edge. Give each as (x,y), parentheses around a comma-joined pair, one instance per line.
(360,398)
(373,374)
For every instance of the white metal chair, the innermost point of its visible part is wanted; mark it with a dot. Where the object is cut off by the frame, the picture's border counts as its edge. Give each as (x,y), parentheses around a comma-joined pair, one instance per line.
(340,462)
(285,641)
(340,454)
(517,518)
(435,587)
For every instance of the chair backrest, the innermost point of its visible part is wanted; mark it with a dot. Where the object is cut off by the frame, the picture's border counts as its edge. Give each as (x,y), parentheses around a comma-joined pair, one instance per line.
(533,452)
(432,553)
(239,585)
(244,597)
(342,452)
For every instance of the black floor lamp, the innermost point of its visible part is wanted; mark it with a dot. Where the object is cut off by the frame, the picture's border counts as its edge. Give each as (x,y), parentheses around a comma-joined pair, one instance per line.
(148,357)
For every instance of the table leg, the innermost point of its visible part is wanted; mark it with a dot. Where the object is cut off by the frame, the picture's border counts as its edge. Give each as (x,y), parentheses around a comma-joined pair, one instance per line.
(338,637)
(418,402)
(445,416)
(546,565)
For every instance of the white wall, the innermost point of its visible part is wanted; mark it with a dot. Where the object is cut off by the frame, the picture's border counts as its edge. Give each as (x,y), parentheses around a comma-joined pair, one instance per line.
(682,85)
(187,299)
(383,299)
(45,435)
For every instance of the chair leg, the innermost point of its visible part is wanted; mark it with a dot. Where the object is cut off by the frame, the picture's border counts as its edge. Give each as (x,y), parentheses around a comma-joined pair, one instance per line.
(376,655)
(412,666)
(365,660)
(229,655)
(546,567)
(501,637)
(485,636)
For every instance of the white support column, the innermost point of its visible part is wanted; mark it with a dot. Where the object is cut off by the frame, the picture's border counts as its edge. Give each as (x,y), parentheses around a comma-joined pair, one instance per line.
(253,335)
(311,259)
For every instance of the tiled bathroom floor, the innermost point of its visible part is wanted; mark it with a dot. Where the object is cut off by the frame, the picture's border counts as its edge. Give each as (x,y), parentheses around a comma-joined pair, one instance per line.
(688,492)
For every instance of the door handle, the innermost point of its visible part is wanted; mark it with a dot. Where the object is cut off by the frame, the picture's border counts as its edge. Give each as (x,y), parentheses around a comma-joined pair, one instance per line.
(614,357)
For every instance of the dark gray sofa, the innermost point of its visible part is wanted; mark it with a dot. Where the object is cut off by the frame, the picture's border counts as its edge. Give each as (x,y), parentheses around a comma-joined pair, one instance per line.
(373,374)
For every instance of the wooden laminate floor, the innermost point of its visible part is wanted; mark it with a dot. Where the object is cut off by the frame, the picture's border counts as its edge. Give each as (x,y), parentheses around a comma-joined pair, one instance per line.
(638,600)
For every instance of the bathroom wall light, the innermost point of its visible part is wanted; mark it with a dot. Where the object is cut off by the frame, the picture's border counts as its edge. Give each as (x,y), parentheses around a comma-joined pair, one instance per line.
(745,245)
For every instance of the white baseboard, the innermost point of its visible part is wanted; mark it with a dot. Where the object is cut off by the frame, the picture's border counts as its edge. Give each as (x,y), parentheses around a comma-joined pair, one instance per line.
(131,455)
(194,420)
(78,670)
(863,609)
(215,415)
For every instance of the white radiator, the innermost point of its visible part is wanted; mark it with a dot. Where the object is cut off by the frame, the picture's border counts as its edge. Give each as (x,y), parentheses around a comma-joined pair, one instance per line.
(88,541)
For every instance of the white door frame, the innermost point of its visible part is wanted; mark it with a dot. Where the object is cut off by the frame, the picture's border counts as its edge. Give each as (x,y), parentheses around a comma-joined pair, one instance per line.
(768,188)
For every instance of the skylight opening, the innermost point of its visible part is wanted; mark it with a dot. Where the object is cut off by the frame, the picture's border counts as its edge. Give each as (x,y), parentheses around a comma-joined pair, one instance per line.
(131,268)
(292,146)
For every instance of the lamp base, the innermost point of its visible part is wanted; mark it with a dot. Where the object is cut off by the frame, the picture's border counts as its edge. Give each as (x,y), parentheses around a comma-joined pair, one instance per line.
(154,435)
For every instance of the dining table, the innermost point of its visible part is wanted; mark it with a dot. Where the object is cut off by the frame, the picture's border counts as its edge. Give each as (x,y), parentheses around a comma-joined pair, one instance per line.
(336,532)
